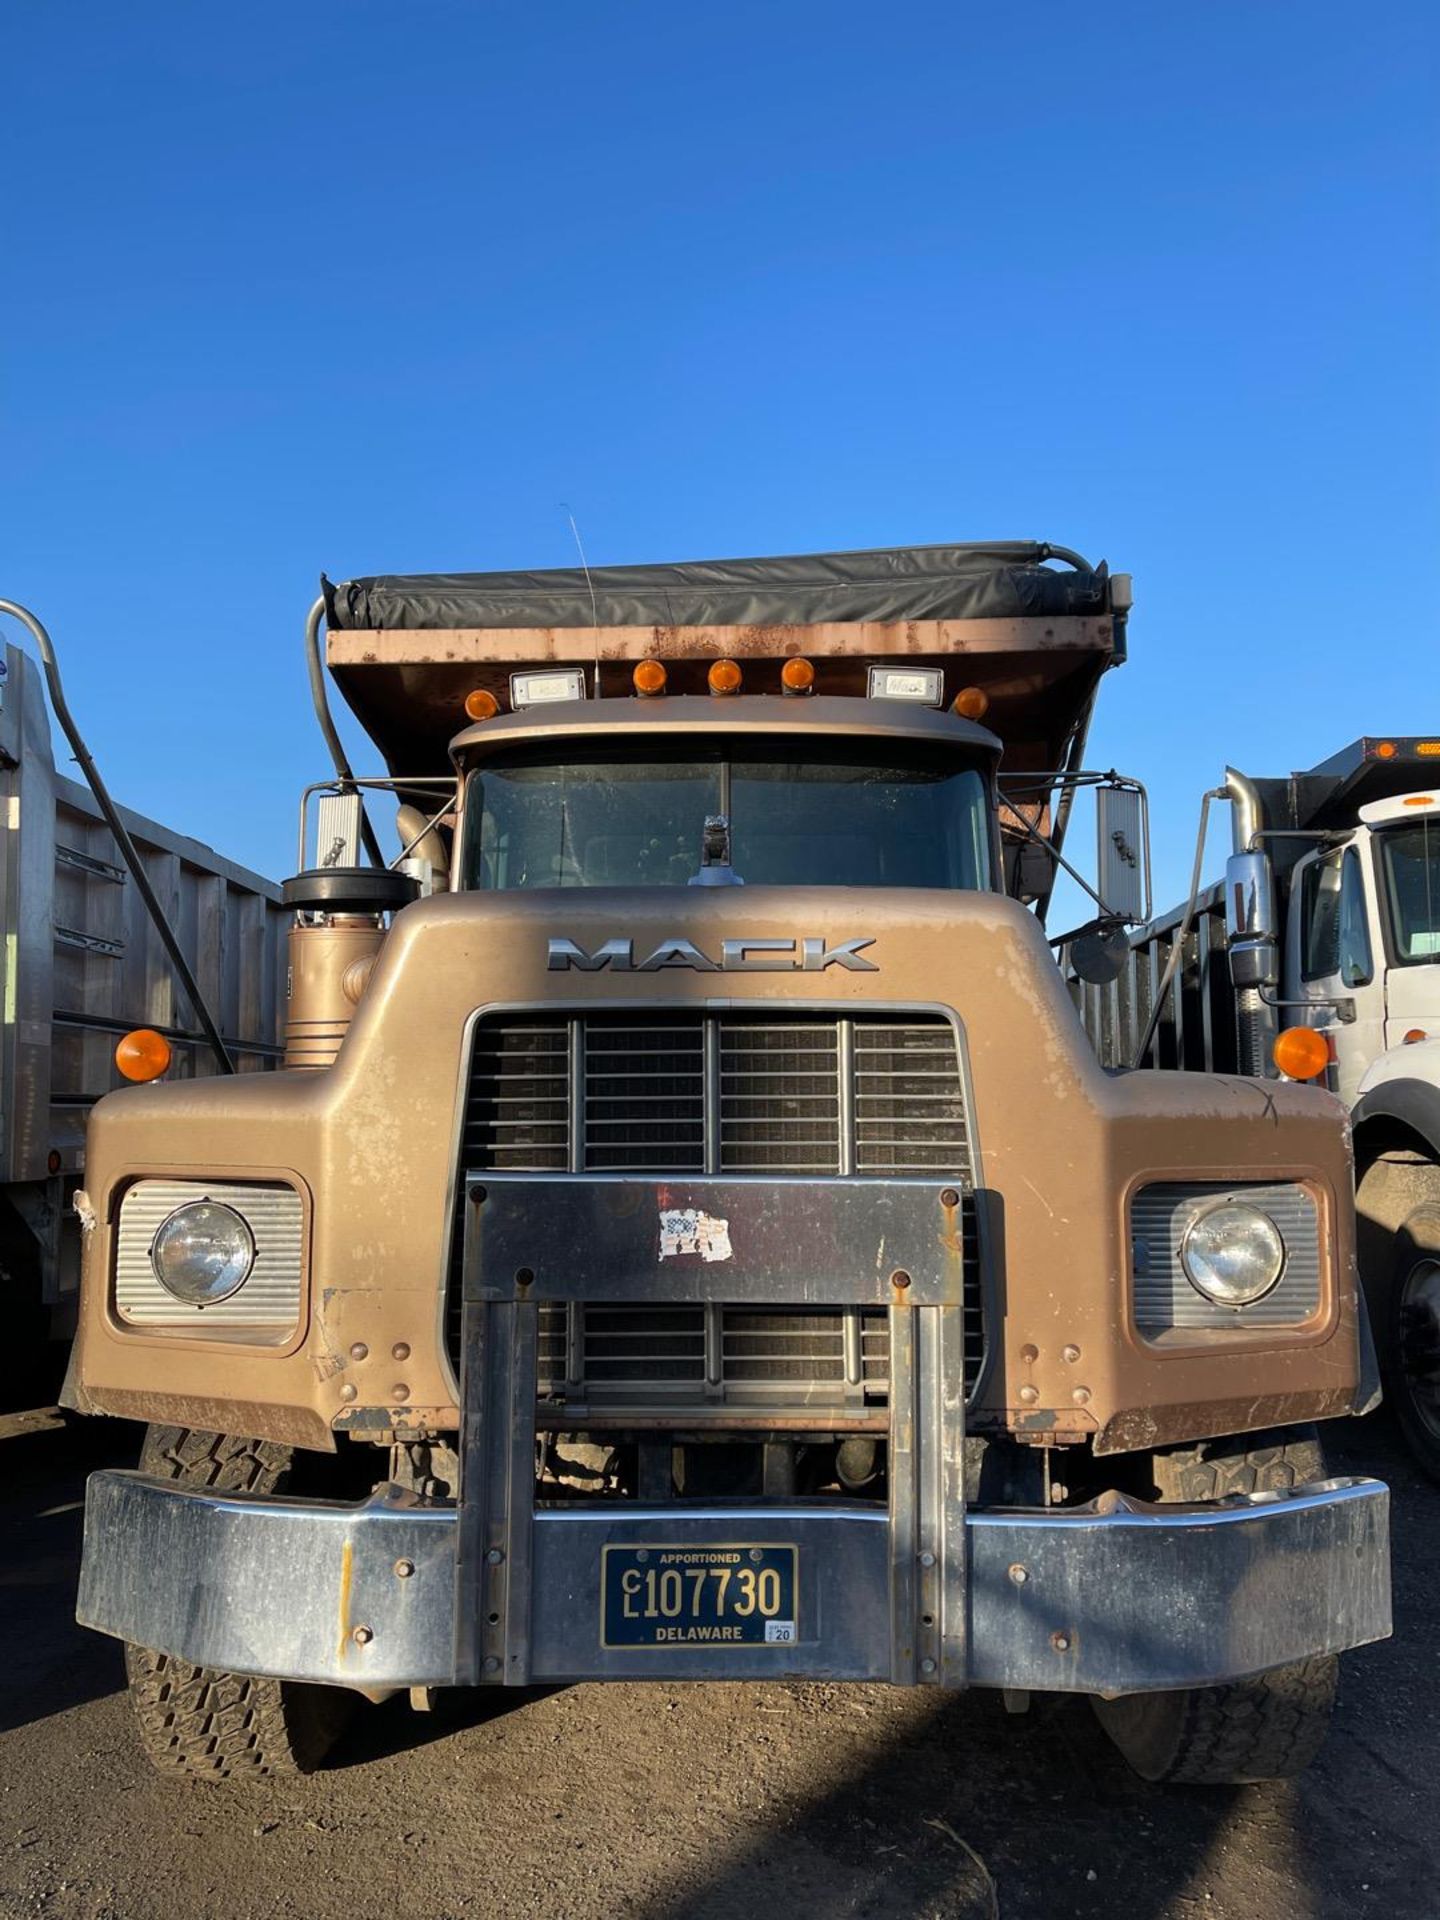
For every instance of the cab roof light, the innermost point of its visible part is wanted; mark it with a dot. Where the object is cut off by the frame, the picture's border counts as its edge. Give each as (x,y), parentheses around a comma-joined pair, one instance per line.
(481,704)
(1418,800)
(725,676)
(1386,750)
(1301,1052)
(143,1055)
(971,703)
(556,683)
(798,675)
(649,678)
(1428,749)
(923,684)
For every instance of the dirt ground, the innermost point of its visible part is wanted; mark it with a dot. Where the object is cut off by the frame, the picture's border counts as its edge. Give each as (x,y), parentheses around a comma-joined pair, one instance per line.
(691,1804)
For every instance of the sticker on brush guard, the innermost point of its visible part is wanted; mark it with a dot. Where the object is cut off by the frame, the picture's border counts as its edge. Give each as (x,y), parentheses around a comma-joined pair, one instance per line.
(687,1230)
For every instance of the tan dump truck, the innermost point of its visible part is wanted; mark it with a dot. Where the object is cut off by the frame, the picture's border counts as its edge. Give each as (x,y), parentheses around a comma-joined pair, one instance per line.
(695,1238)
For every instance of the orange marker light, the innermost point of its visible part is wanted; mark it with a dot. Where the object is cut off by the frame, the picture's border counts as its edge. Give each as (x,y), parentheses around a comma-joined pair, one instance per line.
(1415,1034)
(797,675)
(1428,749)
(971,703)
(481,704)
(1419,800)
(1301,1052)
(1386,750)
(725,677)
(650,677)
(143,1055)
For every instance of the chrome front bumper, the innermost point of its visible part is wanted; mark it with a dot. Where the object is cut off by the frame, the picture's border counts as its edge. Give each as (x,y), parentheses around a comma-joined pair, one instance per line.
(1126,1599)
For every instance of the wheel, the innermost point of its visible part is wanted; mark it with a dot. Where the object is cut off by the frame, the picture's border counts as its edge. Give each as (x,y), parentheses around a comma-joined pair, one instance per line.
(1267,1728)
(198,1721)
(1409,1337)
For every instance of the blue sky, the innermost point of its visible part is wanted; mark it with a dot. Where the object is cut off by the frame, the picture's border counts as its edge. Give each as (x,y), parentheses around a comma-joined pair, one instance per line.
(376,288)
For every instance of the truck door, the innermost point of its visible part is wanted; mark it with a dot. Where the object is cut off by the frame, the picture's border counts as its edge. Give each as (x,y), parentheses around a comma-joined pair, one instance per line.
(1332,960)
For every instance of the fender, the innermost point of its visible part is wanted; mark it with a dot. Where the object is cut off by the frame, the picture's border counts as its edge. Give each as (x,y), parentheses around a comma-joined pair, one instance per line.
(1415,1103)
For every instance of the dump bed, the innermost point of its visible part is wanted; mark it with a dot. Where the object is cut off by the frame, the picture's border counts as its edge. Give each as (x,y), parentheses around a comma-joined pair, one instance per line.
(82,963)
(1035,636)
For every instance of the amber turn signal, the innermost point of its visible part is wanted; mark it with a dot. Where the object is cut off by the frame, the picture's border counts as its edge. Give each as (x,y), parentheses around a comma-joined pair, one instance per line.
(725,677)
(1301,1052)
(481,704)
(143,1054)
(1415,1036)
(971,703)
(797,675)
(650,677)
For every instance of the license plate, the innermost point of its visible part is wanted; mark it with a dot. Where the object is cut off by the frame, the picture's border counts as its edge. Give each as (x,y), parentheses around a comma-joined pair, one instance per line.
(681,1596)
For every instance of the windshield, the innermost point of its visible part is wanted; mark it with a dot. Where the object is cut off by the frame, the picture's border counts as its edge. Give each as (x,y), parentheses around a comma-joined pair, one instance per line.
(1410,858)
(850,819)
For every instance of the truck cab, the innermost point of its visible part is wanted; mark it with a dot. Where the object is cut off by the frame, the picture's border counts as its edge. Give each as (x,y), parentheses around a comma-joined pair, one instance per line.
(1363,940)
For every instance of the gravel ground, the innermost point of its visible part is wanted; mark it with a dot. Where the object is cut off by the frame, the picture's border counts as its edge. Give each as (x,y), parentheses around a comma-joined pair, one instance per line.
(657,1803)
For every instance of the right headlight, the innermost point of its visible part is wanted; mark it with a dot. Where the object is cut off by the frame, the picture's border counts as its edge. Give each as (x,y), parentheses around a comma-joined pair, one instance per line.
(203,1253)
(1233,1254)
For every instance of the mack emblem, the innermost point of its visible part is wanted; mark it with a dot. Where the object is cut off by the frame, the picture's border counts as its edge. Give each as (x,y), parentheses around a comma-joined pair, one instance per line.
(807,955)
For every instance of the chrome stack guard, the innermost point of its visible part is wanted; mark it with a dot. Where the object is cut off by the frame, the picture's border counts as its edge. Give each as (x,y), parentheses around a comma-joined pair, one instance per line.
(1116,1598)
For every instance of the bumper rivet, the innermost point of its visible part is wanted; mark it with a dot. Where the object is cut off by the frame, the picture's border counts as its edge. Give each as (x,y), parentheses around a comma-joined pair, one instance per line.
(495,1556)
(363,1636)
(492,1665)
(400,1351)
(359,1351)
(927,1559)
(927,1666)
(404,1569)
(900,1278)
(1060,1642)
(400,1394)
(1029,1395)
(347,1392)
(1080,1396)
(1072,1354)
(949,1198)
(1019,1574)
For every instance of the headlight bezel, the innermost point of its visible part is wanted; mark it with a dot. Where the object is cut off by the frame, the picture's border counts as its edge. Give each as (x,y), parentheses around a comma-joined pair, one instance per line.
(1213,1292)
(245,1243)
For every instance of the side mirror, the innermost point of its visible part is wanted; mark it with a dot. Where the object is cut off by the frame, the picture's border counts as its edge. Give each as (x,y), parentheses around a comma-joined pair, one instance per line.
(1251,931)
(1123,853)
(1098,956)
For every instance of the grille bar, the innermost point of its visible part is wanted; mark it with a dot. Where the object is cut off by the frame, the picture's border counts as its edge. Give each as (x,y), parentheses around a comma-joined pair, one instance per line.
(817,1096)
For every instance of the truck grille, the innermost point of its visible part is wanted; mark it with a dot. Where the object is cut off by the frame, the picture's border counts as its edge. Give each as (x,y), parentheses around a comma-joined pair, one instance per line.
(870,1096)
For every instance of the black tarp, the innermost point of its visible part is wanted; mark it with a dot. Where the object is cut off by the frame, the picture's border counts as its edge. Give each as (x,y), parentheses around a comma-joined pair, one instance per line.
(995,580)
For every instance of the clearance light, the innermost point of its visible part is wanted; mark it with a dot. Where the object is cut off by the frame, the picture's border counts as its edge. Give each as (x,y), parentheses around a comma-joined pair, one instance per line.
(534,689)
(1386,750)
(797,675)
(725,677)
(971,703)
(1415,1035)
(1419,800)
(143,1054)
(649,678)
(925,684)
(1428,749)
(481,704)
(1301,1052)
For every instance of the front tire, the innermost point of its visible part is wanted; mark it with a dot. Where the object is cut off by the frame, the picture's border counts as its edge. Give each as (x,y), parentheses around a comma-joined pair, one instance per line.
(1411,1337)
(1267,1728)
(203,1723)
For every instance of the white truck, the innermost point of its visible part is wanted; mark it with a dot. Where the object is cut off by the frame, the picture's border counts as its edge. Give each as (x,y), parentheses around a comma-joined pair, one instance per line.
(1318,957)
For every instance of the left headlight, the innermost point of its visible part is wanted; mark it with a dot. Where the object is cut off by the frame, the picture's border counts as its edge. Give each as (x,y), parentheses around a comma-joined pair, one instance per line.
(203,1253)
(1233,1254)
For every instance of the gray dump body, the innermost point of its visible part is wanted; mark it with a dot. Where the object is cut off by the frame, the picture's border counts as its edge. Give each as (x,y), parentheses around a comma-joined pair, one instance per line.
(82,965)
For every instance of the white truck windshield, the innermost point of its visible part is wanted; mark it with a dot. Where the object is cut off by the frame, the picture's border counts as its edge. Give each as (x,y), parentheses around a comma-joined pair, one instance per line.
(850,819)
(1410,857)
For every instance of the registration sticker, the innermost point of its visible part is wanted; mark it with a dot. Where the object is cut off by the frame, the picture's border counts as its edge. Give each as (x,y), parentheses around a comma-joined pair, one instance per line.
(698,1596)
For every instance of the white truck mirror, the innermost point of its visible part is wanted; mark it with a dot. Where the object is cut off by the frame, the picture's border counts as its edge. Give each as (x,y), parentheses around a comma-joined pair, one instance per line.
(1251,932)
